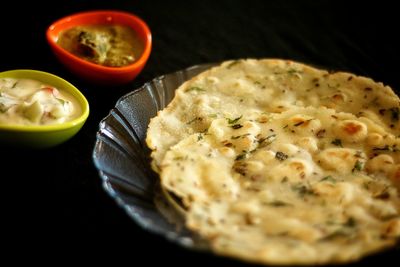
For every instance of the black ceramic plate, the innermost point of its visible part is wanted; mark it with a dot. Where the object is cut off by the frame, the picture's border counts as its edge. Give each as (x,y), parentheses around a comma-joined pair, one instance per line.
(123,161)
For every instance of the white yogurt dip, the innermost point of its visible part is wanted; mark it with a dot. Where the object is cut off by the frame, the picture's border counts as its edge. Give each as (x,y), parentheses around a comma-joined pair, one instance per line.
(31,102)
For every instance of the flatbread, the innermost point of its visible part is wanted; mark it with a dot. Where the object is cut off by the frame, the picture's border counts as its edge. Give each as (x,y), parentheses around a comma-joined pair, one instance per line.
(308,186)
(278,162)
(241,87)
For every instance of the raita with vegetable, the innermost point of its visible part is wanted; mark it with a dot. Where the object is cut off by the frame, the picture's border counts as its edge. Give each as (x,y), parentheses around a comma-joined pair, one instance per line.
(31,102)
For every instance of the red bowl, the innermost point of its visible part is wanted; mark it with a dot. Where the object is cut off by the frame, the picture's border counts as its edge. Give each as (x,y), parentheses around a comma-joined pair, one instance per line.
(93,72)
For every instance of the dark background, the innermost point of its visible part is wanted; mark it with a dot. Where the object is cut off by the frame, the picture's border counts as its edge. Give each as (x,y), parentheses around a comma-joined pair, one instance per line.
(53,200)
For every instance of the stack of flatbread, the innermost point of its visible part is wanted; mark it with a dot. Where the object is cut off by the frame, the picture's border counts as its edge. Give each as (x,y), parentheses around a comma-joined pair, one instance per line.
(278,162)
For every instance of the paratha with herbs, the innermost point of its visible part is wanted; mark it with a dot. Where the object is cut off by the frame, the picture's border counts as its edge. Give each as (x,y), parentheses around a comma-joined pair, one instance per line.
(309,185)
(244,86)
(278,162)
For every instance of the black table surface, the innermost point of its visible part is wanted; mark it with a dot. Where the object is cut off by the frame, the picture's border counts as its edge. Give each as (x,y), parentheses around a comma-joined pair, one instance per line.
(53,198)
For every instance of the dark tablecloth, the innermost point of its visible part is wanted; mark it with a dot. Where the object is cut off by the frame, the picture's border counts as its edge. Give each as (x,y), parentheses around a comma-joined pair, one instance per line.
(53,199)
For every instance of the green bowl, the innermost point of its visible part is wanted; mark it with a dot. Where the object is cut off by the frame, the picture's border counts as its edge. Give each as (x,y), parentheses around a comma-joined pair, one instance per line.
(43,136)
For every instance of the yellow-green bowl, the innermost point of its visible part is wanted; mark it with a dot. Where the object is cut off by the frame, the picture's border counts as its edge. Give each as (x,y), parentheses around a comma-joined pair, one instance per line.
(43,136)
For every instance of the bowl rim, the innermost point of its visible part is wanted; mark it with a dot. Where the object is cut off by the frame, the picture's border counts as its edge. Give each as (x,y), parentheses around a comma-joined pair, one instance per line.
(70,88)
(52,38)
